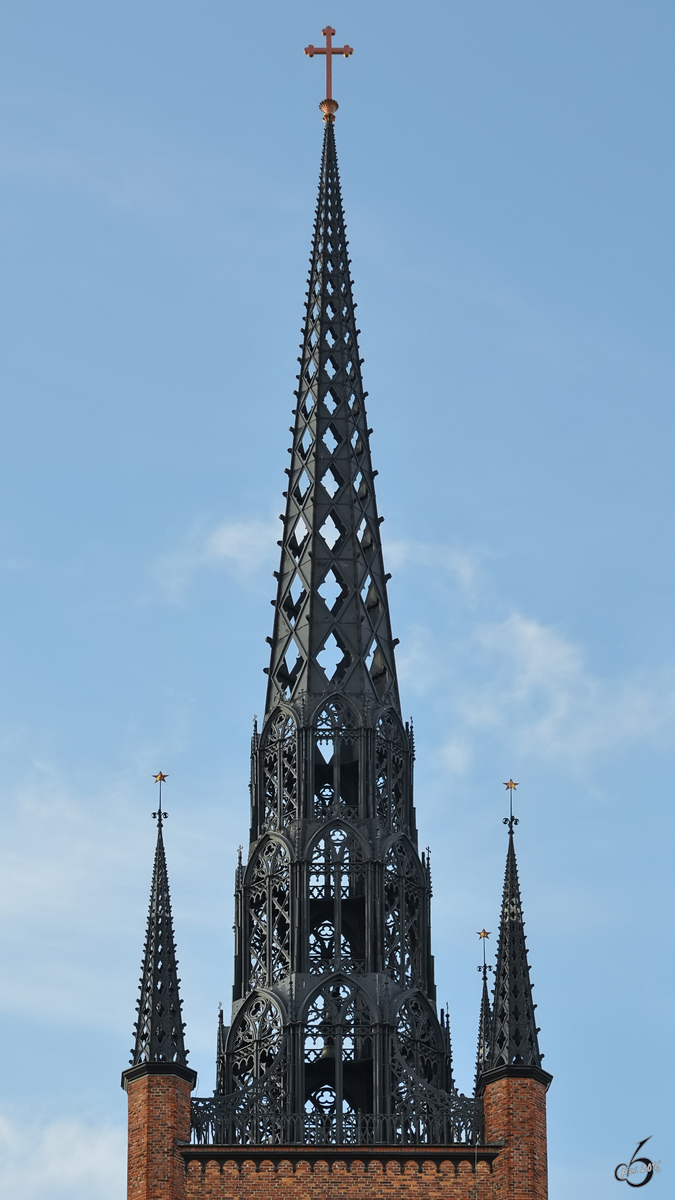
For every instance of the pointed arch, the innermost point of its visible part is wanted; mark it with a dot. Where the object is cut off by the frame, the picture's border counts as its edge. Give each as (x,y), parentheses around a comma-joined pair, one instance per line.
(337,889)
(337,755)
(338,1060)
(267,898)
(418,1040)
(279,799)
(403,914)
(257,1039)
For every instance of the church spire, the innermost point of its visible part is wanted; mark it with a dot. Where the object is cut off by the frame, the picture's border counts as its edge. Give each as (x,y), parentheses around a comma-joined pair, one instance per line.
(485,1018)
(331,629)
(159,1029)
(513,1041)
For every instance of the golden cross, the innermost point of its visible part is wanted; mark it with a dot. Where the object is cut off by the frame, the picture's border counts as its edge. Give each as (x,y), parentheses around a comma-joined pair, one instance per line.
(329,50)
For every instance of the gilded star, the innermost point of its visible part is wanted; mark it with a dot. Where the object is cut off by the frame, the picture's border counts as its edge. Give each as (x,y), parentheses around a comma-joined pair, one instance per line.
(510,786)
(483,934)
(159,778)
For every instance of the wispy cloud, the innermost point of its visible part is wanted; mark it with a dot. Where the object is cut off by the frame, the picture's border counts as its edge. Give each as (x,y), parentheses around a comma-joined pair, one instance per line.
(240,547)
(461,564)
(523,682)
(66,1160)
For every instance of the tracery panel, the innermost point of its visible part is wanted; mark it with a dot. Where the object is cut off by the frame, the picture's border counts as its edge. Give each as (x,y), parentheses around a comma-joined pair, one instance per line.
(280,773)
(403,895)
(390,770)
(268,915)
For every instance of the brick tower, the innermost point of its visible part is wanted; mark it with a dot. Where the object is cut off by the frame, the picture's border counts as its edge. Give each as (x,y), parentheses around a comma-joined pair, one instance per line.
(335,1072)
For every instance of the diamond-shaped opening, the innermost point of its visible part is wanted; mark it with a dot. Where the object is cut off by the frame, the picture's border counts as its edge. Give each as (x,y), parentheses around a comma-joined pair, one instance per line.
(302,486)
(330,441)
(294,599)
(290,668)
(307,404)
(362,528)
(315,312)
(298,537)
(371,654)
(332,481)
(305,443)
(350,367)
(331,591)
(332,659)
(331,401)
(314,337)
(330,337)
(311,369)
(357,482)
(356,442)
(330,368)
(364,590)
(330,308)
(330,532)
(354,404)
(329,266)
(329,287)
(365,536)
(347,337)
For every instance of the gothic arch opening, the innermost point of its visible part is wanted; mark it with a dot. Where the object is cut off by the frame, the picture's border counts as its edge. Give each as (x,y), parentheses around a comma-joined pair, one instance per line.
(337,912)
(337,748)
(338,1058)
(268,910)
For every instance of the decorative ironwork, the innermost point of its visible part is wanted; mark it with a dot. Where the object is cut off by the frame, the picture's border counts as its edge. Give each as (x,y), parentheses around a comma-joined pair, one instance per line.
(513,1040)
(159,1028)
(334,1037)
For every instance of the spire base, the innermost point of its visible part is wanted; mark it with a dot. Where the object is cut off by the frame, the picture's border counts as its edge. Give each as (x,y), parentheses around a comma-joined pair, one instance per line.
(513,1072)
(158,1068)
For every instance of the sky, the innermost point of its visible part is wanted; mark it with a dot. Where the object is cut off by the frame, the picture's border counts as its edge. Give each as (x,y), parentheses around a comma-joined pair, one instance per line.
(507,174)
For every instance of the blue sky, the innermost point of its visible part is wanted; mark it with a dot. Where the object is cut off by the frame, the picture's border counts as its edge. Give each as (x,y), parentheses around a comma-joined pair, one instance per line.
(508,181)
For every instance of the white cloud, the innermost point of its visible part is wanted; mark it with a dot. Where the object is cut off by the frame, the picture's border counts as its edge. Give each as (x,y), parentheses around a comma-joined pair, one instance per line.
(241,547)
(62,1160)
(528,685)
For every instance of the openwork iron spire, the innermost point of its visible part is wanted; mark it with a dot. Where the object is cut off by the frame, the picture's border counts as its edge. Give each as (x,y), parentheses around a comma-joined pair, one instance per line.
(514,1032)
(159,1028)
(334,1036)
(332,628)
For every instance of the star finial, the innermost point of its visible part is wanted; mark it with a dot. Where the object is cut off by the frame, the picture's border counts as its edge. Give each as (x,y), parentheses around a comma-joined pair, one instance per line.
(160,816)
(510,820)
(484,935)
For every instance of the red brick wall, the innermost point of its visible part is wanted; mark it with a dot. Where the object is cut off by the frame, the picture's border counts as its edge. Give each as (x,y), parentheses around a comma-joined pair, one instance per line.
(213,1183)
(515,1112)
(159,1118)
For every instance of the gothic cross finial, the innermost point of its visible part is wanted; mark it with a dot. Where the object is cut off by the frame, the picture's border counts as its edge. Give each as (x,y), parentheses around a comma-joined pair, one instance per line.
(510,820)
(329,106)
(160,816)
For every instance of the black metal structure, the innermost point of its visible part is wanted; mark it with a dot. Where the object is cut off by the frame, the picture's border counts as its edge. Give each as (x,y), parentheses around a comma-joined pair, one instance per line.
(159,1028)
(334,1037)
(510,1033)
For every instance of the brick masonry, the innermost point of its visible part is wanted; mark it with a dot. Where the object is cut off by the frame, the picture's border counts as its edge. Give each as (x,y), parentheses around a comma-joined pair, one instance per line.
(162,1165)
(159,1120)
